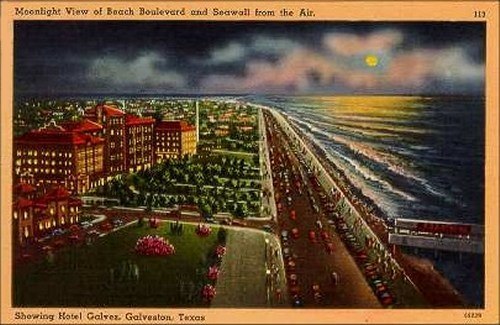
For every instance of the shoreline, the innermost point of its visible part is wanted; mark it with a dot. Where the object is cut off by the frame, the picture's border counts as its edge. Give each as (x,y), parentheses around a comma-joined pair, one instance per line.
(432,285)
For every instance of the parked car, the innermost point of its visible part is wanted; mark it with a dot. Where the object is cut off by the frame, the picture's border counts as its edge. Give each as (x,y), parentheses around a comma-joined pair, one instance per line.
(312,236)
(85,224)
(268,228)
(284,235)
(57,232)
(117,222)
(329,248)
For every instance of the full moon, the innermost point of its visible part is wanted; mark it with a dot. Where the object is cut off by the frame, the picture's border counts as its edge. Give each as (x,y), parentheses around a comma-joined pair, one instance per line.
(371,60)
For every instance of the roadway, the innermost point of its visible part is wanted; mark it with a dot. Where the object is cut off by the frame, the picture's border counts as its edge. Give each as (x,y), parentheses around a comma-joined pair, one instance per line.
(309,261)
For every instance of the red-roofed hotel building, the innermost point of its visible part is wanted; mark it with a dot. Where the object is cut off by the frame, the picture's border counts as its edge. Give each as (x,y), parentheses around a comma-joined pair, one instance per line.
(55,156)
(113,122)
(35,217)
(174,139)
(128,138)
(82,155)
(139,143)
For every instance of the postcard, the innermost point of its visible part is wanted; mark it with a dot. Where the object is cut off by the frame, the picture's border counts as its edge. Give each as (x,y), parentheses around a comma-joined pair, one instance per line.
(255,162)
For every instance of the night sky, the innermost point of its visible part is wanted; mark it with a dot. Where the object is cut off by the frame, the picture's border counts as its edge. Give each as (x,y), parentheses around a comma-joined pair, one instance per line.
(150,57)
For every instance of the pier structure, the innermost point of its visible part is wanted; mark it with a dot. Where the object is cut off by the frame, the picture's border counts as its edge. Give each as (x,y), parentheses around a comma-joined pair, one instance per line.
(438,235)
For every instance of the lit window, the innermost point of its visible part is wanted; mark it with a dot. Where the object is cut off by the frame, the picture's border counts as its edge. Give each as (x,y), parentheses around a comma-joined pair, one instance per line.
(15,215)
(26,232)
(25,215)
(40,226)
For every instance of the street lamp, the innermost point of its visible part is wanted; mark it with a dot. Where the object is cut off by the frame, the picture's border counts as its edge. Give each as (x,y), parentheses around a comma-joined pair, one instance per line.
(266,248)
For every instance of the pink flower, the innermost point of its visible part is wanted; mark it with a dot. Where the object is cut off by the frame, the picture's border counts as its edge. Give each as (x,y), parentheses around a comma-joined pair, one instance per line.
(220,251)
(213,273)
(154,246)
(208,292)
(203,230)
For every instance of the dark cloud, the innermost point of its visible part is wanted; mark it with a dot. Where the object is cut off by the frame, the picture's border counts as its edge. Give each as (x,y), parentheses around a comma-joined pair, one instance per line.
(233,57)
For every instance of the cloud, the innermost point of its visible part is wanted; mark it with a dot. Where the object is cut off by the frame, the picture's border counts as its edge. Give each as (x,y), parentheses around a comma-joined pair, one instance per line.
(231,52)
(234,52)
(298,70)
(304,69)
(271,45)
(295,68)
(143,71)
(453,63)
(352,44)
(421,66)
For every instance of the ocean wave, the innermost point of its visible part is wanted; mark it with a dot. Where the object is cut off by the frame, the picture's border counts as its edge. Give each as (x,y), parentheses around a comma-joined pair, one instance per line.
(364,171)
(390,162)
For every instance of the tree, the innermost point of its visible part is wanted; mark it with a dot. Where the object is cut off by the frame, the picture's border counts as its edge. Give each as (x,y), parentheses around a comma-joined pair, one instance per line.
(206,210)
(222,235)
(241,210)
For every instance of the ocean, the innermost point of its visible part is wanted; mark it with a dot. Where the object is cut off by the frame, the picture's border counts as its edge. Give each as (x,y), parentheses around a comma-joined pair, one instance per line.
(416,157)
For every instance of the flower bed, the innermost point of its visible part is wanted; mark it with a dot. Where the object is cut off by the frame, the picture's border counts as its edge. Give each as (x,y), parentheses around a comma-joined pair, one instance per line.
(203,230)
(154,246)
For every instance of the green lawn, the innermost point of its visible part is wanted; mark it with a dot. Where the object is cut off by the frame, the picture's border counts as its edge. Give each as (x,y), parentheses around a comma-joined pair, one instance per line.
(81,276)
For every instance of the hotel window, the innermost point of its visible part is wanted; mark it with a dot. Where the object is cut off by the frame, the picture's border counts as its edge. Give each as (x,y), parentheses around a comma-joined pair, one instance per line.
(25,215)
(40,226)
(26,232)
(47,224)
(63,208)
(15,215)
(53,222)
(52,211)
(62,221)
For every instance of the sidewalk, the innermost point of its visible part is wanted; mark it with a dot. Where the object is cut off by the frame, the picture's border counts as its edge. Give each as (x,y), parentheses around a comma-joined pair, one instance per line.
(265,170)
